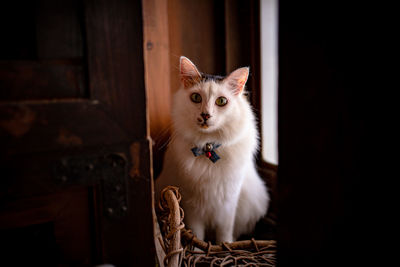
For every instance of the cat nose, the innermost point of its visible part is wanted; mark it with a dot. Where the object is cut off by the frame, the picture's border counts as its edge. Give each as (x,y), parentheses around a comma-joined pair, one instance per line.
(205,116)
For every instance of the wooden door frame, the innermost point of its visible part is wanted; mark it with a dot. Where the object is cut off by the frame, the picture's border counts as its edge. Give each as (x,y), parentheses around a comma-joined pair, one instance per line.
(112,121)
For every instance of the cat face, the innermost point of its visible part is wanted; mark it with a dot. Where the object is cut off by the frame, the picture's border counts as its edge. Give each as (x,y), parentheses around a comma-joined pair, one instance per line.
(207,103)
(210,103)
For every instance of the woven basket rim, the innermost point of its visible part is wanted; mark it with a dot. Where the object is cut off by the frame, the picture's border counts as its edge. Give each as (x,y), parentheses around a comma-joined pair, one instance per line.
(195,250)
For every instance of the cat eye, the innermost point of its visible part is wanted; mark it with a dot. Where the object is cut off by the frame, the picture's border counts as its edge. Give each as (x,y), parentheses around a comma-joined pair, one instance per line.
(221,101)
(195,97)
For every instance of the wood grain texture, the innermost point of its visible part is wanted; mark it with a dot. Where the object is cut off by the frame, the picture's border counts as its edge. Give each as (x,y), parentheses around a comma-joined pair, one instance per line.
(51,79)
(134,234)
(157,71)
(42,56)
(37,132)
(59,29)
(115,61)
(156,54)
(196,31)
(36,126)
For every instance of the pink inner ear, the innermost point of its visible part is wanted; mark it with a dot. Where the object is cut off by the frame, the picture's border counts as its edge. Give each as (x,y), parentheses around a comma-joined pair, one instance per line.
(187,81)
(241,83)
(188,72)
(238,79)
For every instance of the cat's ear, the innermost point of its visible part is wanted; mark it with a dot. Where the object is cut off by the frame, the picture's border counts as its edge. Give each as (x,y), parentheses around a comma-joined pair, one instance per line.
(190,75)
(237,80)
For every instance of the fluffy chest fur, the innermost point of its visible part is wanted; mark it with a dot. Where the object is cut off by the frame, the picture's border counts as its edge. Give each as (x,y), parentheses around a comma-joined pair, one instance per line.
(202,175)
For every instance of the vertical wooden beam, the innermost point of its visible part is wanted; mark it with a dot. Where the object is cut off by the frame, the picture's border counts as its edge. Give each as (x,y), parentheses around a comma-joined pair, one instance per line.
(156,60)
(115,61)
(175,41)
(157,82)
(157,75)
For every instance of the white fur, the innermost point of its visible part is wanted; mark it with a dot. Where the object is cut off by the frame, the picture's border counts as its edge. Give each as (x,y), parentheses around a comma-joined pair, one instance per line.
(228,196)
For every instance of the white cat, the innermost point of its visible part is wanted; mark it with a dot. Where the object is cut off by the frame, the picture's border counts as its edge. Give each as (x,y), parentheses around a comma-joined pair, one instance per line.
(211,155)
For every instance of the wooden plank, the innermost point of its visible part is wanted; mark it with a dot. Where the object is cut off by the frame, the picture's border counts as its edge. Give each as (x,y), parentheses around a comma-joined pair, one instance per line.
(41,173)
(35,66)
(62,20)
(115,61)
(134,234)
(27,127)
(29,80)
(197,31)
(157,71)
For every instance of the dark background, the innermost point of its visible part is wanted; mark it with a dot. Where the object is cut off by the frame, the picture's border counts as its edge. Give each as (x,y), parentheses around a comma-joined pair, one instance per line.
(334,71)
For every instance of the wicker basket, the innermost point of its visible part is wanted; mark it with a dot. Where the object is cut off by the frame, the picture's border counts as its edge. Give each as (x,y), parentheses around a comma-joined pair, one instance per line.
(177,246)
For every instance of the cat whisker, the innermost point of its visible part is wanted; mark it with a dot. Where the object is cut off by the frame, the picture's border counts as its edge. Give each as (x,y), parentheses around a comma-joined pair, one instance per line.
(163,133)
(170,139)
(165,144)
(163,137)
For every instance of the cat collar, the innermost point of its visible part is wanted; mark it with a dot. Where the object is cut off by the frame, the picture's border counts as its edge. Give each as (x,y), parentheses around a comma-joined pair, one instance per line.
(208,151)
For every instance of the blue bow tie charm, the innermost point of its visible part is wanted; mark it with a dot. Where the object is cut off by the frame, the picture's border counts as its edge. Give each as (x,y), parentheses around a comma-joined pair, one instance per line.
(208,151)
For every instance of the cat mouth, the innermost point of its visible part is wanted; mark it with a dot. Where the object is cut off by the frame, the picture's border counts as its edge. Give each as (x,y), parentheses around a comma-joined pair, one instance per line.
(204,125)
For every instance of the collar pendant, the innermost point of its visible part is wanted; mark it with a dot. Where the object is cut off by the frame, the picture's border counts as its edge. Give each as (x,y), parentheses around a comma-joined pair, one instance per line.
(208,150)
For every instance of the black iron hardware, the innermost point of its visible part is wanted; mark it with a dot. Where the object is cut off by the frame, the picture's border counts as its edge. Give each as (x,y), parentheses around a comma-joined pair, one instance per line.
(109,171)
